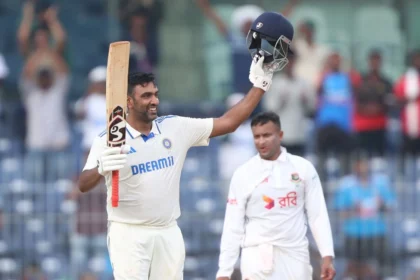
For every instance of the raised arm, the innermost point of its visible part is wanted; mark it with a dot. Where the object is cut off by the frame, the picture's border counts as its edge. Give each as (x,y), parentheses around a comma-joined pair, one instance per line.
(57,30)
(233,118)
(31,65)
(24,31)
(211,14)
(39,58)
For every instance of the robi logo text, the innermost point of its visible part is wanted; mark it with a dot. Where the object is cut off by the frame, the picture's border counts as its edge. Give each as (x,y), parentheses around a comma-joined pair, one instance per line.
(290,200)
(270,202)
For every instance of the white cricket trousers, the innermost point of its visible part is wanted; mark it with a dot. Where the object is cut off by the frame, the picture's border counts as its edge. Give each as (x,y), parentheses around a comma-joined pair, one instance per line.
(146,253)
(259,263)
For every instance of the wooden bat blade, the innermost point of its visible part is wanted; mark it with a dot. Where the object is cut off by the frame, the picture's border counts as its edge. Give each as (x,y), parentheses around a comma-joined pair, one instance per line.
(116,91)
(116,102)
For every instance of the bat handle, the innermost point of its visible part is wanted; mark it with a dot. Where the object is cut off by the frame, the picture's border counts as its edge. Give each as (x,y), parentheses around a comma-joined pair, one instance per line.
(115,181)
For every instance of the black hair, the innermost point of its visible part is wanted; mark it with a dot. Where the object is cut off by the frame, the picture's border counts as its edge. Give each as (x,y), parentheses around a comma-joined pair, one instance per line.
(139,78)
(265,117)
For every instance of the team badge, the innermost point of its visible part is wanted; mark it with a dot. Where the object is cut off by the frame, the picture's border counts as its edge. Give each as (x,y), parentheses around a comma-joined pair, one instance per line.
(167,143)
(259,25)
(295,177)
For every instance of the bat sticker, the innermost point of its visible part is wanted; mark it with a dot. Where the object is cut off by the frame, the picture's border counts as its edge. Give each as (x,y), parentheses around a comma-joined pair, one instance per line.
(116,133)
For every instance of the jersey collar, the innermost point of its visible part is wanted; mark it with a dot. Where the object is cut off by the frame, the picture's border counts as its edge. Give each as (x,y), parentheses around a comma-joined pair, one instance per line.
(132,133)
(282,157)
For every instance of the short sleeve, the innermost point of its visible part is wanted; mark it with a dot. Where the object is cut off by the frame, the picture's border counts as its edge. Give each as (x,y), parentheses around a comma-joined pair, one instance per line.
(197,131)
(95,151)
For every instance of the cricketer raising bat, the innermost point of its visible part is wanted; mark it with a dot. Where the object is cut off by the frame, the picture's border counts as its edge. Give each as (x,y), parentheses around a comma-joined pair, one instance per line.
(116,102)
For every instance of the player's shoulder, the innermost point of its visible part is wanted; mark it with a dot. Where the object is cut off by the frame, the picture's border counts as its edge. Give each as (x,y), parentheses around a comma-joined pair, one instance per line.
(174,122)
(166,119)
(299,161)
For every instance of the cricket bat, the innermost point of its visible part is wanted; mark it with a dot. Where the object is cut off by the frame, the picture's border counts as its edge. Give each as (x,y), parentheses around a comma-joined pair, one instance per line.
(116,102)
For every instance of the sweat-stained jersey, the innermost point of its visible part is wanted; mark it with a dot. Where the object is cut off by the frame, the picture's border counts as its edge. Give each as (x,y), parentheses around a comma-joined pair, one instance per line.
(271,202)
(149,182)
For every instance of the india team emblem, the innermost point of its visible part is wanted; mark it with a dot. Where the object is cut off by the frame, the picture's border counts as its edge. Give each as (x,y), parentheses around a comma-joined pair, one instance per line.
(295,177)
(167,143)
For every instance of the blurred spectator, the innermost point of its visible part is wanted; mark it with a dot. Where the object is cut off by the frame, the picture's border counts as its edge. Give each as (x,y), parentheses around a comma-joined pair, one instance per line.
(311,56)
(92,107)
(139,56)
(372,101)
(39,23)
(241,21)
(154,9)
(414,276)
(407,91)
(33,272)
(335,110)
(363,198)
(141,21)
(88,276)
(44,87)
(293,99)
(90,237)
(239,143)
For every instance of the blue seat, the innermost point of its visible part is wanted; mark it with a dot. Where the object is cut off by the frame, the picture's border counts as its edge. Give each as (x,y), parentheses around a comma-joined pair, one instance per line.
(56,266)
(11,170)
(48,202)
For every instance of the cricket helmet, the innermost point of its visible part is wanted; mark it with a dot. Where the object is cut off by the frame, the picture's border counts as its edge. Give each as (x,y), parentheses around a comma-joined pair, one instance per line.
(270,36)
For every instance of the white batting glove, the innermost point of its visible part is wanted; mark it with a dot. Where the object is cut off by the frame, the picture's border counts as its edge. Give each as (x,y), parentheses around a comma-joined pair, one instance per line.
(112,159)
(257,76)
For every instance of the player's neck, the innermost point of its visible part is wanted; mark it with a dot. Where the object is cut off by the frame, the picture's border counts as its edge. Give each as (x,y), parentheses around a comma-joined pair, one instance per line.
(275,156)
(139,125)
